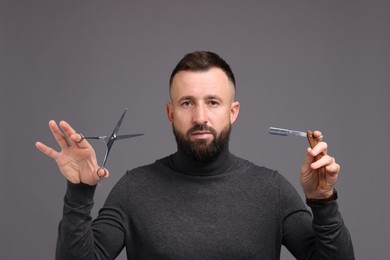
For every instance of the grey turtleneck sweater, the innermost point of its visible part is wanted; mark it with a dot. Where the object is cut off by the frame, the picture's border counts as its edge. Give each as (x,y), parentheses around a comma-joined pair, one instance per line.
(178,209)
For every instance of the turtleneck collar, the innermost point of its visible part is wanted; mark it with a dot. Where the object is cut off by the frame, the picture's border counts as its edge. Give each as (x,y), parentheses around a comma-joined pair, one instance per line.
(185,164)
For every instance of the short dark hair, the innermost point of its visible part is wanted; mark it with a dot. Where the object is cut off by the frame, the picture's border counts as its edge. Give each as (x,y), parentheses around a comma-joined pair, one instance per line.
(202,61)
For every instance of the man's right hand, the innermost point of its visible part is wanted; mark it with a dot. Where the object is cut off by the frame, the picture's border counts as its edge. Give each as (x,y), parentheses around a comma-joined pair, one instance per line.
(76,162)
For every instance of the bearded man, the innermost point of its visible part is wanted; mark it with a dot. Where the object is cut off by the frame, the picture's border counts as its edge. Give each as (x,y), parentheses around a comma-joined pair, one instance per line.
(202,202)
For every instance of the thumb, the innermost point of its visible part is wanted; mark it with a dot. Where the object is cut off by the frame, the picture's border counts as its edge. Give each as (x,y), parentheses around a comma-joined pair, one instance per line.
(102,173)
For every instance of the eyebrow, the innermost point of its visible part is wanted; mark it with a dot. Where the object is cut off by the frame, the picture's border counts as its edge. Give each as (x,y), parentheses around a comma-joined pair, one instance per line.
(185,98)
(214,97)
(208,97)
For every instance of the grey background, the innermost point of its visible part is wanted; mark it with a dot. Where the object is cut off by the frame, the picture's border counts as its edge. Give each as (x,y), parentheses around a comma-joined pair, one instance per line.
(299,64)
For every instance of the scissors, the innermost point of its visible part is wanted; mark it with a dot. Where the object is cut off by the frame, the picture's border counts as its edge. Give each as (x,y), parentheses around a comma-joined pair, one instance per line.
(109,140)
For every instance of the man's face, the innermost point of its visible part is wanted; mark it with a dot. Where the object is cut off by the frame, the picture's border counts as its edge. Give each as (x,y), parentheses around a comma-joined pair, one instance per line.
(201,110)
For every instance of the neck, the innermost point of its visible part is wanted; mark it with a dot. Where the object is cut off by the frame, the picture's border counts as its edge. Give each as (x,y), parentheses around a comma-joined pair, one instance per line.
(217,165)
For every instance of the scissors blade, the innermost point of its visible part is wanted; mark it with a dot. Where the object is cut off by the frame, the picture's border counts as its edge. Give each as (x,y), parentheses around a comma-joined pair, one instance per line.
(285,132)
(120,137)
(112,137)
(118,125)
(105,158)
(110,140)
(105,138)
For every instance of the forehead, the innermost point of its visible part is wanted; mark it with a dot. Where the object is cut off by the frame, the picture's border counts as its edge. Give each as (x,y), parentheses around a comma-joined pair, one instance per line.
(200,83)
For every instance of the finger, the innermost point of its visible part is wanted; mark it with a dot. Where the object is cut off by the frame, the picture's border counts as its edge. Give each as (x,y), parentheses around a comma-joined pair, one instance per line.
(308,160)
(60,138)
(79,140)
(317,134)
(68,130)
(332,172)
(320,148)
(102,173)
(47,150)
(323,162)
(333,168)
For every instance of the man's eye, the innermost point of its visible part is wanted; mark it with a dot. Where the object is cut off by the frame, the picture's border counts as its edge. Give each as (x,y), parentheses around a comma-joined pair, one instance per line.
(213,103)
(186,103)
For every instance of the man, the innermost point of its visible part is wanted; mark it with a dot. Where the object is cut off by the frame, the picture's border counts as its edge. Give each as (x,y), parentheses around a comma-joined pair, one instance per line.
(201,202)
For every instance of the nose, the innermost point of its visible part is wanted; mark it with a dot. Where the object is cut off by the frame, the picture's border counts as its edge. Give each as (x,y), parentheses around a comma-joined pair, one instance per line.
(199,115)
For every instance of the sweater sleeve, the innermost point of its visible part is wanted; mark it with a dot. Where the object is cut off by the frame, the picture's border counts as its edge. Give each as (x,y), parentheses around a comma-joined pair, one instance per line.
(332,238)
(79,237)
(317,236)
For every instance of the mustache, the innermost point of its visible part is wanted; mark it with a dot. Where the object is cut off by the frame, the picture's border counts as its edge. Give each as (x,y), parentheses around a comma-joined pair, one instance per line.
(202,127)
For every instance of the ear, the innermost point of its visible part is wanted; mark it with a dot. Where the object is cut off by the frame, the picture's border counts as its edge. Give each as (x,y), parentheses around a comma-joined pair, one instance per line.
(169,108)
(234,110)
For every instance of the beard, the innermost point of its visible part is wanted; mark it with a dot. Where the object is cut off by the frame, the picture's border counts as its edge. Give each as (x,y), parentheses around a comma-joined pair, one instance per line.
(200,150)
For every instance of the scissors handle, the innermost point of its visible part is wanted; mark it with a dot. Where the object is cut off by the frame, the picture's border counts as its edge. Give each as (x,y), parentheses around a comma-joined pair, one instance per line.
(104,139)
(91,137)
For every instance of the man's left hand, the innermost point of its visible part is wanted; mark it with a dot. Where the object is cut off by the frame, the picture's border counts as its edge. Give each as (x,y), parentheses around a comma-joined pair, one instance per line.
(309,176)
